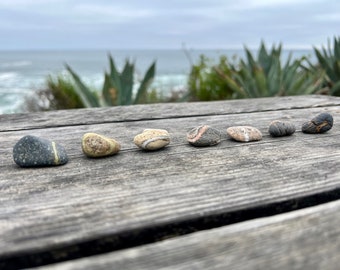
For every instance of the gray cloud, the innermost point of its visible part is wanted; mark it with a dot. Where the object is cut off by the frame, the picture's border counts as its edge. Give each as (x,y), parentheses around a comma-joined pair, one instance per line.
(53,24)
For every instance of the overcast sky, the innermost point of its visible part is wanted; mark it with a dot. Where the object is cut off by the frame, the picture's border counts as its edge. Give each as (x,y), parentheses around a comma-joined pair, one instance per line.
(152,24)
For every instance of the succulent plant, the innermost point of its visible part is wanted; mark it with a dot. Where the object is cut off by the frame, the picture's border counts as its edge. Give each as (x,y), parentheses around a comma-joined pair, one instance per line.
(266,76)
(253,77)
(117,87)
(329,60)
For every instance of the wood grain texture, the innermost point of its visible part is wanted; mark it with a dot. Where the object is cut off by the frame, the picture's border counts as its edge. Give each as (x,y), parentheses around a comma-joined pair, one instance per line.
(159,111)
(304,239)
(89,198)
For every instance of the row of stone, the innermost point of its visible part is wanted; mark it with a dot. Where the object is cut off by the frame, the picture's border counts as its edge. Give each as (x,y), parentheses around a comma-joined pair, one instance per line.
(207,136)
(32,151)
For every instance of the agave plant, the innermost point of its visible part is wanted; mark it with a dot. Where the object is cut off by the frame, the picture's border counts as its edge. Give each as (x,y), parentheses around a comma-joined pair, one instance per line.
(329,60)
(117,87)
(266,76)
(254,77)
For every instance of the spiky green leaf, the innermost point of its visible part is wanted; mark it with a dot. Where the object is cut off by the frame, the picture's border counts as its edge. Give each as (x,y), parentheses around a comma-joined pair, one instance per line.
(127,83)
(88,98)
(116,80)
(108,91)
(142,90)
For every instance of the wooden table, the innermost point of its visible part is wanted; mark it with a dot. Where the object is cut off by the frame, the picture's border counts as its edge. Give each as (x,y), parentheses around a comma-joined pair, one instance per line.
(271,204)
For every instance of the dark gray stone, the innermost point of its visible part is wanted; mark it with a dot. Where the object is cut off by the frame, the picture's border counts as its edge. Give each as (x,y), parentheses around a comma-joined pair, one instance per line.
(32,151)
(279,128)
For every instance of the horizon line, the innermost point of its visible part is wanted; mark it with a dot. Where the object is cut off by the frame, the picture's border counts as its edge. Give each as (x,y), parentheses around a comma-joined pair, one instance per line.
(295,48)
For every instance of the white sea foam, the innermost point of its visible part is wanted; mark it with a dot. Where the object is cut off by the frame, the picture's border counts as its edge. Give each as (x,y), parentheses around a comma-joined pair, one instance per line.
(9,102)
(8,76)
(166,84)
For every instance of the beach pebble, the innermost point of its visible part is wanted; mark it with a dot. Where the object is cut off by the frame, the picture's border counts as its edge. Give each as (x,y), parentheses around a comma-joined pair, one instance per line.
(32,151)
(96,145)
(279,128)
(319,124)
(203,136)
(152,139)
(244,133)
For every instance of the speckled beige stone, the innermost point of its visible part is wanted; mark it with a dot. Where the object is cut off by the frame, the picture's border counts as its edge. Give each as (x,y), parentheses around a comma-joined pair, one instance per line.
(152,139)
(244,133)
(95,145)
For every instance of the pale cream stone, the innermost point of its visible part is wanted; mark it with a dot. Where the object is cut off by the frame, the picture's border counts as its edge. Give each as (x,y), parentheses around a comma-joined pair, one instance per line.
(152,139)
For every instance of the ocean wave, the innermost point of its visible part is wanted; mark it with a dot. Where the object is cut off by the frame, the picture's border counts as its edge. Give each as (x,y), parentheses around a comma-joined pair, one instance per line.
(7,76)
(15,91)
(16,64)
(10,103)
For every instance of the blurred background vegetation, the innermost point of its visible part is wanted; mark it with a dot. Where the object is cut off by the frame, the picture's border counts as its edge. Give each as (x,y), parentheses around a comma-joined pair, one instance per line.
(257,75)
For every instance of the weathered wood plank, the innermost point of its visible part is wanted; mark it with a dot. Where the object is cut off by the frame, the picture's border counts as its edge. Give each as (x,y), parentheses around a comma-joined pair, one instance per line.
(304,239)
(85,199)
(159,111)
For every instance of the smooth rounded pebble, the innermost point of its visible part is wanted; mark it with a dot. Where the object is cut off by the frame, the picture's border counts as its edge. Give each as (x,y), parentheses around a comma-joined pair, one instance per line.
(204,136)
(244,133)
(152,139)
(319,124)
(96,145)
(32,151)
(279,128)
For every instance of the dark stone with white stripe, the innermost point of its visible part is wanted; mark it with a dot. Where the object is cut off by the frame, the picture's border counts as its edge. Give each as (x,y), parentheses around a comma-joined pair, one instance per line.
(32,151)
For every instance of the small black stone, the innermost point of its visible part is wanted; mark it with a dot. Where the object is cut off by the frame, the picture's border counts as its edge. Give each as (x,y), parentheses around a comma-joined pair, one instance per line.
(319,124)
(32,151)
(280,128)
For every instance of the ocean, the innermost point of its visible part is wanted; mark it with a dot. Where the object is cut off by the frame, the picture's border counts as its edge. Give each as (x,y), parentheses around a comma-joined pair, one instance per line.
(23,72)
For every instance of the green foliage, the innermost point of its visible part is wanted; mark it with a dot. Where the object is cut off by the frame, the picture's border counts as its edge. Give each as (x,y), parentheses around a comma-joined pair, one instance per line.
(206,83)
(117,87)
(63,92)
(329,60)
(253,77)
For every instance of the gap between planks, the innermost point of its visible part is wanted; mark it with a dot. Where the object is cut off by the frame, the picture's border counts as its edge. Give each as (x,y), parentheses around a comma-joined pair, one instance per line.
(160,232)
(303,239)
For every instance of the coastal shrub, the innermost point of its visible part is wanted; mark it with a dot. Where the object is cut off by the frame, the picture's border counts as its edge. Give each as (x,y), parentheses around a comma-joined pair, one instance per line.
(208,82)
(329,60)
(253,77)
(59,94)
